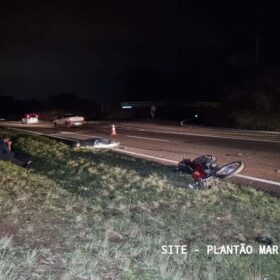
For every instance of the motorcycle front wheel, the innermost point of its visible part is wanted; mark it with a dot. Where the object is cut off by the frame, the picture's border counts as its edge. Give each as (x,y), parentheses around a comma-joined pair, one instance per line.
(229,170)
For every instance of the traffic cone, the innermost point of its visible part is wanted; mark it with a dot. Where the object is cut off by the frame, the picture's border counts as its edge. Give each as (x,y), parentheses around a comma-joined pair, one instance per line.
(113,133)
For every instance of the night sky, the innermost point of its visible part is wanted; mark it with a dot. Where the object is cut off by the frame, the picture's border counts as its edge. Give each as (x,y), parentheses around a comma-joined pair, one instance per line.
(117,50)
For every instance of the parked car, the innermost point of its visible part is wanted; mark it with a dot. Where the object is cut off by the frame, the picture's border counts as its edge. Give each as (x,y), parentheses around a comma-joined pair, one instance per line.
(30,118)
(69,120)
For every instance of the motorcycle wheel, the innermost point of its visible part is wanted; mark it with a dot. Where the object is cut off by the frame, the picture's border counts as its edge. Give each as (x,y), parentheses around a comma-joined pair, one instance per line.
(229,170)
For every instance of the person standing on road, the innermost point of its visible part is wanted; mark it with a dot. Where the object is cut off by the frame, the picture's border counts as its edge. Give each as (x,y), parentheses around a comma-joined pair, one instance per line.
(6,153)
(153,110)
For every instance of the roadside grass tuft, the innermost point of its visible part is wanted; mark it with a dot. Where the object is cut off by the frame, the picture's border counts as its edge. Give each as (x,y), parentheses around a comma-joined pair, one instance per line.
(102,215)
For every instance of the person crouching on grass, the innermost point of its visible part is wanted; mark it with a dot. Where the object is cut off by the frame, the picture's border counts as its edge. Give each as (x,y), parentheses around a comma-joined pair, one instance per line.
(6,153)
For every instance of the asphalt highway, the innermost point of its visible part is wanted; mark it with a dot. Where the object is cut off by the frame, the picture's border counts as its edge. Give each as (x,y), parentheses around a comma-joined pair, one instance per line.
(168,143)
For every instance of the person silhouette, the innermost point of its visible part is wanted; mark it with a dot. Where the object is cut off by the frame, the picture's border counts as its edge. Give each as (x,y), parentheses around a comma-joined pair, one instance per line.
(153,110)
(6,153)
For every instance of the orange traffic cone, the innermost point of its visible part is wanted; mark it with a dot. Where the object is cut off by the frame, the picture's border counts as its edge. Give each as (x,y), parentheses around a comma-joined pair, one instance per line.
(113,133)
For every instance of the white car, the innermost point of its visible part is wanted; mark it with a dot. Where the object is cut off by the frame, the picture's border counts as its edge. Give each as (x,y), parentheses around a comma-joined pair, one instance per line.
(30,118)
(69,120)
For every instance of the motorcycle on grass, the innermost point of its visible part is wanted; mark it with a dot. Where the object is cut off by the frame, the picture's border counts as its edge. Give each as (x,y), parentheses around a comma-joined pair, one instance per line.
(204,170)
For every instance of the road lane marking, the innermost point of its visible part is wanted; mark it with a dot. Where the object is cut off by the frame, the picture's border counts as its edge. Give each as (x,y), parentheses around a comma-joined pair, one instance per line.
(258,179)
(200,135)
(146,156)
(223,129)
(129,136)
(148,138)
(82,134)
(54,135)
(29,131)
(82,131)
(154,157)
(176,162)
(185,133)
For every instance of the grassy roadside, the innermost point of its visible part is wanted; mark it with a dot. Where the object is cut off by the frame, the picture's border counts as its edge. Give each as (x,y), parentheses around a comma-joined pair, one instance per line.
(100,215)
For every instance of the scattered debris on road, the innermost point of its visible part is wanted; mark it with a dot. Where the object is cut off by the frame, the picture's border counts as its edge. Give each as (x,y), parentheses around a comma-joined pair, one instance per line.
(234,154)
(97,143)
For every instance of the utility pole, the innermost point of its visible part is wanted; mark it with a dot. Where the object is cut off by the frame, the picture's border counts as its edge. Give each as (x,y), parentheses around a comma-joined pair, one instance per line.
(258,38)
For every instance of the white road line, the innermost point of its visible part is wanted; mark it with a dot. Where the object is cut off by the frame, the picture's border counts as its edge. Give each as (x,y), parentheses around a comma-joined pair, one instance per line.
(129,136)
(154,157)
(44,134)
(59,137)
(88,135)
(226,130)
(78,132)
(148,138)
(258,179)
(201,135)
(146,156)
(176,162)
(28,131)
